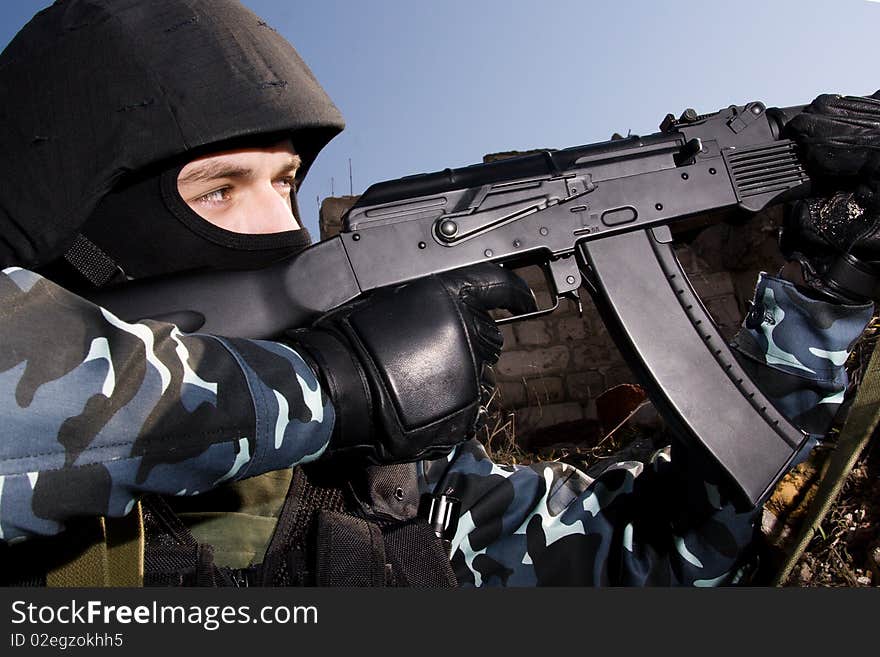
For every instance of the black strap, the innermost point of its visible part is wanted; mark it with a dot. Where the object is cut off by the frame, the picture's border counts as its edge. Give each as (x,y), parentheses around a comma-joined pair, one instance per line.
(418,558)
(92,262)
(349,551)
(172,555)
(329,536)
(290,554)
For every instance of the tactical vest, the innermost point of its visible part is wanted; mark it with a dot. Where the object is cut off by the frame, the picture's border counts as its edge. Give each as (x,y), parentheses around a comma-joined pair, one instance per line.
(336,527)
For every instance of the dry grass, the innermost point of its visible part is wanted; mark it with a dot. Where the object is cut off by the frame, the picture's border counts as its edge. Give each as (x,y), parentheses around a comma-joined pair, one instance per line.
(575,443)
(846,549)
(498,434)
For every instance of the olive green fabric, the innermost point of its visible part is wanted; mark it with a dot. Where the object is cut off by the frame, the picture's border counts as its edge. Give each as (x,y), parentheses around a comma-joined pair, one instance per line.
(125,549)
(238,519)
(110,553)
(89,566)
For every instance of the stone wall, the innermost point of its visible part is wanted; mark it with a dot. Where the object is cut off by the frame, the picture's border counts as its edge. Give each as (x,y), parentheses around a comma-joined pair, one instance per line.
(553,368)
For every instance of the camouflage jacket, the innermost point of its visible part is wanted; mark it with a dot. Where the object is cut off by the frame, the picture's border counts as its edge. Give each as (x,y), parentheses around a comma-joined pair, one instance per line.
(97,412)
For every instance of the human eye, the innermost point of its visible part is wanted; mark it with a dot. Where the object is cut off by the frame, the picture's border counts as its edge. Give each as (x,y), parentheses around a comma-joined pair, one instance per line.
(285,184)
(215,198)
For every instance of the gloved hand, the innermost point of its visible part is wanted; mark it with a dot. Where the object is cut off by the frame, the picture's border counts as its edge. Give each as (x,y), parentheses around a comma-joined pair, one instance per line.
(405,367)
(834,236)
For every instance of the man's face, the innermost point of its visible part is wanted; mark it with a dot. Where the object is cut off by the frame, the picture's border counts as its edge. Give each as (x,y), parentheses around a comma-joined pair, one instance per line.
(243,190)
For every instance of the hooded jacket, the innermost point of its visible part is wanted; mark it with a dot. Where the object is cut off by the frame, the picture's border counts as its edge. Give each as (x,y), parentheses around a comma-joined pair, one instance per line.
(94,90)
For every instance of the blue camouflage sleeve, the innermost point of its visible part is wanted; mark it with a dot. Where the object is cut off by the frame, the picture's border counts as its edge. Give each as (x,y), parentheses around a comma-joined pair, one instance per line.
(97,411)
(666,521)
(796,347)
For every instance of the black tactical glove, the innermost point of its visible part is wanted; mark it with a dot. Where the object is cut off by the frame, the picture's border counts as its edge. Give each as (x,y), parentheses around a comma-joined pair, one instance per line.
(834,236)
(405,368)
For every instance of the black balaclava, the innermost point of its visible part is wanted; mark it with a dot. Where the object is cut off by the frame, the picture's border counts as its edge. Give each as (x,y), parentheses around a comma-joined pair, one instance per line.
(103,99)
(146,229)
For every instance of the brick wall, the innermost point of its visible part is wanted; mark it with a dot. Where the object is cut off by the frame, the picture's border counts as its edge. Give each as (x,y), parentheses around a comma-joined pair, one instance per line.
(553,368)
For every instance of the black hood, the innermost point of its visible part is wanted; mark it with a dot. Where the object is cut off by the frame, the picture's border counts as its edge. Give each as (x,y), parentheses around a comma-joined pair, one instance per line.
(92,90)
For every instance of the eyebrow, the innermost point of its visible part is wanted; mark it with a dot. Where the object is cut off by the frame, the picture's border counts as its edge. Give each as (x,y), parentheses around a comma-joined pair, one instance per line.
(216,170)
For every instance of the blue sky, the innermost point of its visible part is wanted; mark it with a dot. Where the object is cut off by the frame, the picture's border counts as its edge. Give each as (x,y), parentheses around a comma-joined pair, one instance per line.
(429,84)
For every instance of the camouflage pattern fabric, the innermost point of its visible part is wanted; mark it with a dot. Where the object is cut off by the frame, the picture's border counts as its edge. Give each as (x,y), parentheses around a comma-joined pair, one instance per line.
(796,347)
(125,409)
(97,411)
(663,522)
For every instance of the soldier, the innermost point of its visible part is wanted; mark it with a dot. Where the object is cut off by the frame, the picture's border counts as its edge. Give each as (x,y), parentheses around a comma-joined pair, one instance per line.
(170,163)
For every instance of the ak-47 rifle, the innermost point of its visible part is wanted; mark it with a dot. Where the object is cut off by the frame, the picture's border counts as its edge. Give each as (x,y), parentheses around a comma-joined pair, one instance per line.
(594,216)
